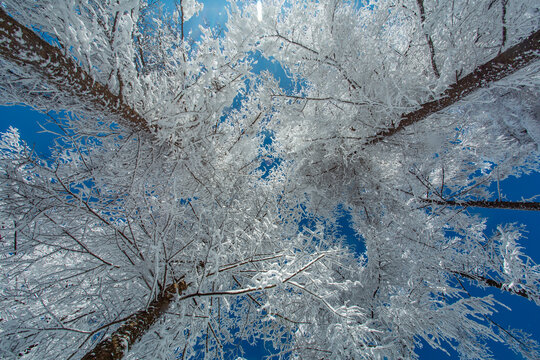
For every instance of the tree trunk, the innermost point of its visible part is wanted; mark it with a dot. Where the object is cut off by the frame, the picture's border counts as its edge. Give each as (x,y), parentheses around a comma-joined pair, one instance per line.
(25,48)
(512,205)
(515,58)
(118,344)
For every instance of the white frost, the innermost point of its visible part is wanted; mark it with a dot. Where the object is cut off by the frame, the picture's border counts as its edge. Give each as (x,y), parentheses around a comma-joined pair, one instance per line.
(191,8)
(259,11)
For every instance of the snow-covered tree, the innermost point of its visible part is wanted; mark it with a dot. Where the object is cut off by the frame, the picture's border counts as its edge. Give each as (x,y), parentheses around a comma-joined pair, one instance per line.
(190,202)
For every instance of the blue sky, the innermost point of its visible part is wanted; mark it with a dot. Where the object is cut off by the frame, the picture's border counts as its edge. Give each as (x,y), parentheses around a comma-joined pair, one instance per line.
(524,314)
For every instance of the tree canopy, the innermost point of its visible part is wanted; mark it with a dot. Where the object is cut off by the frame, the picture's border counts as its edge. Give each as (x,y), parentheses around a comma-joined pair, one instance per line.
(193,198)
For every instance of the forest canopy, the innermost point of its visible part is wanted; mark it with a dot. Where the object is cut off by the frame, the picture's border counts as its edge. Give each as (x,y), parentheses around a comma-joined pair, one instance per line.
(199,179)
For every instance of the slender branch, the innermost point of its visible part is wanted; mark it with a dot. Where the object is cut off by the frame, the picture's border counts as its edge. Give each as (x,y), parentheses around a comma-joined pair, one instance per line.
(494,322)
(278,35)
(513,205)
(307,98)
(428,38)
(94,213)
(269,313)
(327,60)
(492,283)
(305,267)
(181,19)
(80,243)
(254,289)
(330,307)
(244,262)
(503,22)
(515,58)
(229,292)
(244,131)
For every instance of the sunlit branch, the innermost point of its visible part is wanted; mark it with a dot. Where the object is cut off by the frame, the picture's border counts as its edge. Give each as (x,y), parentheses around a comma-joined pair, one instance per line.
(305,267)
(228,292)
(308,98)
(269,313)
(303,288)
(249,261)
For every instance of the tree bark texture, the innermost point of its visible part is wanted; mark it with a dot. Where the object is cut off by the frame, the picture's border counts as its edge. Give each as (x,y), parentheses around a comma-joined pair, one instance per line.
(515,58)
(118,344)
(512,205)
(25,48)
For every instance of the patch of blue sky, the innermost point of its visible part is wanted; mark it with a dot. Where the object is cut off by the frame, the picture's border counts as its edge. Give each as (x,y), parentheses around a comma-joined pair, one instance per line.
(29,122)
(285,79)
(345,228)
(248,345)
(251,347)
(342,229)
(261,64)
(213,15)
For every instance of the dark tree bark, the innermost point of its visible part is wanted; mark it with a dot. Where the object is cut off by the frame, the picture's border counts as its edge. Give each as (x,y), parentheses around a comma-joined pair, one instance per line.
(513,205)
(25,48)
(492,283)
(428,38)
(515,58)
(118,344)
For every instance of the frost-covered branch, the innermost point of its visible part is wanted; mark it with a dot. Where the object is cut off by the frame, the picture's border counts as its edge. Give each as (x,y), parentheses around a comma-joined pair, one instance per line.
(428,38)
(512,205)
(496,284)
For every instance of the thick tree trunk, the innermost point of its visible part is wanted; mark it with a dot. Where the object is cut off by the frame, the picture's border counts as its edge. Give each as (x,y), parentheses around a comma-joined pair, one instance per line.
(118,344)
(512,205)
(515,58)
(25,48)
